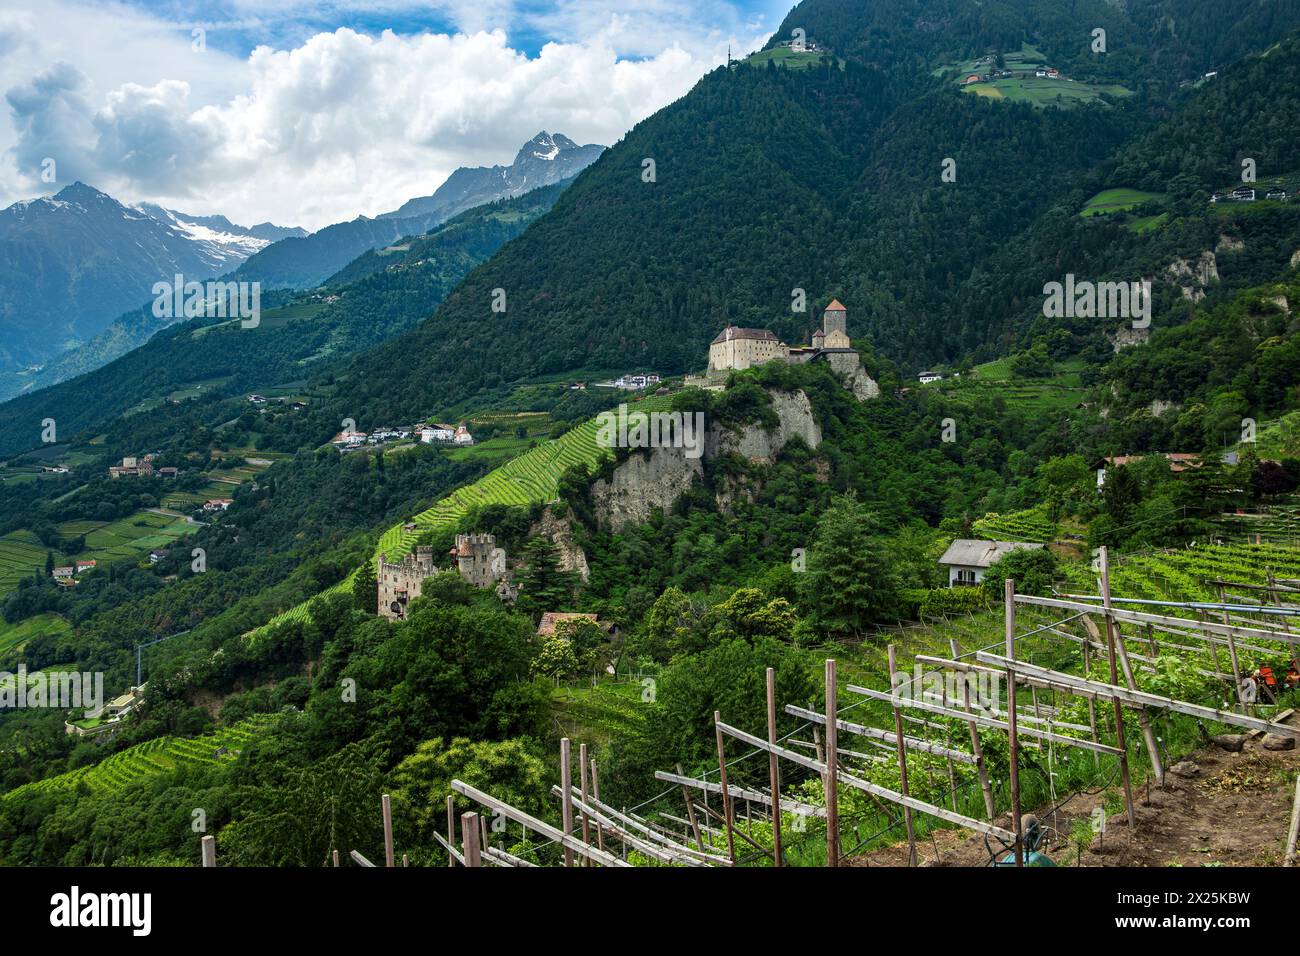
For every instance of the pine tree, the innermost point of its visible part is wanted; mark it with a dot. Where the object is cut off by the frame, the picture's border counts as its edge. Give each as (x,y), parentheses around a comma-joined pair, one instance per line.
(849,582)
(543,585)
(365,589)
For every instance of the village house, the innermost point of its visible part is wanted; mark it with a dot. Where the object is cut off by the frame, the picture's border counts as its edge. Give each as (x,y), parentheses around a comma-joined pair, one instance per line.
(64,575)
(156,556)
(348,439)
(133,467)
(1243,194)
(927,377)
(550,619)
(217,504)
(968,558)
(463,437)
(1178,462)
(1276,193)
(85,565)
(169,472)
(972,78)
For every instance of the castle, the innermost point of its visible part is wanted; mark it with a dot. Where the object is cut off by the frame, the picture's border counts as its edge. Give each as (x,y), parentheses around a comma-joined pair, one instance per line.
(477,558)
(739,348)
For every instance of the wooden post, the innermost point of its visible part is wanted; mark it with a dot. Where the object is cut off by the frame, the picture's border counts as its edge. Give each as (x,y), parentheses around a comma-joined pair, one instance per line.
(1092,703)
(386,805)
(582,787)
(1119,713)
(773,773)
(209,850)
(469,830)
(1144,719)
(595,792)
(566,796)
(975,747)
(901,751)
(726,791)
(1295,827)
(335,855)
(451,827)
(690,810)
(1013,742)
(832,766)
(405,860)
(1232,654)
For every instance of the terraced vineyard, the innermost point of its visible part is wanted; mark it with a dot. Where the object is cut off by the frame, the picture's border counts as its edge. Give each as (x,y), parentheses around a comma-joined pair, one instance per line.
(21,552)
(126,539)
(162,755)
(1030,525)
(1278,524)
(1181,575)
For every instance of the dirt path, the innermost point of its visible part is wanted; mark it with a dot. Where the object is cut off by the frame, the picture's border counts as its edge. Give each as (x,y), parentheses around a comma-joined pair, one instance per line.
(1232,810)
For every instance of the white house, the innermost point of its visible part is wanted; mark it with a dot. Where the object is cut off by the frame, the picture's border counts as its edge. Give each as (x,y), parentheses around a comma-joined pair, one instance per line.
(437,432)
(928,377)
(463,437)
(968,558)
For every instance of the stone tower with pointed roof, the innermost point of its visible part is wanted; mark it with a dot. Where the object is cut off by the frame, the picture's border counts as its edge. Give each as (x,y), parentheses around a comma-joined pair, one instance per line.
(835,326)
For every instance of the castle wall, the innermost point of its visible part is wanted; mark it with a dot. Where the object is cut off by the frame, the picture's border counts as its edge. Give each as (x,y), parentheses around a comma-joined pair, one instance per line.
(400,582)
(479,560)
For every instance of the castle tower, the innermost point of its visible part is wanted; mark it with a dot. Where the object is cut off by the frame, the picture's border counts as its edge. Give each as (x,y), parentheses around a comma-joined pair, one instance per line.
(400,583)
(835,326)
(478,559)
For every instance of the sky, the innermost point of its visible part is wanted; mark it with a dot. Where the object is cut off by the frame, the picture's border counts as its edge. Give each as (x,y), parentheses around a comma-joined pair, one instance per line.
(307,113)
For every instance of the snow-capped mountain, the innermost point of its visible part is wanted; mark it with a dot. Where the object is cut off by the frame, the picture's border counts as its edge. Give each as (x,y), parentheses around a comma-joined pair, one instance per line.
(545,159)
(73,262)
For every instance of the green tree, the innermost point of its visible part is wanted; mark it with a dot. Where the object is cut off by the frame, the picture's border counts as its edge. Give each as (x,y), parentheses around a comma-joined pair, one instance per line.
(850,581)
(365,588)
(543,585)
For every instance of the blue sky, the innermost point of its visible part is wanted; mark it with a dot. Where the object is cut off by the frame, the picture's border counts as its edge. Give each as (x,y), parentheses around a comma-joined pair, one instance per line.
(304,112)
(237,27)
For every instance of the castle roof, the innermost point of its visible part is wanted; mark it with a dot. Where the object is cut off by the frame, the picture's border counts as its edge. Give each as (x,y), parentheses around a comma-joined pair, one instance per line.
(552,618)
(732,332)
(835,306)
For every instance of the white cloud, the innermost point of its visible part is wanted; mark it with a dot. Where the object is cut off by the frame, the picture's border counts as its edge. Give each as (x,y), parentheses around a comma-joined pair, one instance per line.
(345,122)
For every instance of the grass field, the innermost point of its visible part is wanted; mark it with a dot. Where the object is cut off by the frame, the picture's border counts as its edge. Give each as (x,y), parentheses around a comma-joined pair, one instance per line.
(995,379)
(1044,92)
(785,57)
(1116,200)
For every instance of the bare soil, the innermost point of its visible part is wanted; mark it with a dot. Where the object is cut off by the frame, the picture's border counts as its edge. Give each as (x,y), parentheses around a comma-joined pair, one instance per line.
(1234,811)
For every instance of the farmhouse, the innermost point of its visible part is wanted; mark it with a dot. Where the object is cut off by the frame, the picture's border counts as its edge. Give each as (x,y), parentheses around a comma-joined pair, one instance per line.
(348,439)
(64,574)
(85,565)
(463,437)
(217,504)
(551,619)
(1277,193)
(133,467)
(432,432)
(972,78)
(967,558)
(928,377)
(1244,194)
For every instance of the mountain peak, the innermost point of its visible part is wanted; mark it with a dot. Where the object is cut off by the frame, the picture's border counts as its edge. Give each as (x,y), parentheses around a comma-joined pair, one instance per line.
(544,146)
(80,192)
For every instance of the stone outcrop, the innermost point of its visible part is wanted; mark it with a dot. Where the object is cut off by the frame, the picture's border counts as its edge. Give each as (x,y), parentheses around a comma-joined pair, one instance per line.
(560,533)
(650,478)
(1192,277)
(1229,244)
(656,477)
(761,446)
(862,385)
